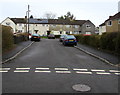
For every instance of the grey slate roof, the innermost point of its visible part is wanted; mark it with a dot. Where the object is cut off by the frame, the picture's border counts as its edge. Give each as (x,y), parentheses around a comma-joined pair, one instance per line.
(48,21)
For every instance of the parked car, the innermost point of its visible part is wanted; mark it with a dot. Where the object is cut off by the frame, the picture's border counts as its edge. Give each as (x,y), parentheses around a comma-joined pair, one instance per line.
(35,37)
(62,38)
(69,40)
(51,36)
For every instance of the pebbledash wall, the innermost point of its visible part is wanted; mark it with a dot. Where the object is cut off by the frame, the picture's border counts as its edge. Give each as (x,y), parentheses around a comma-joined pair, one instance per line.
(55,26)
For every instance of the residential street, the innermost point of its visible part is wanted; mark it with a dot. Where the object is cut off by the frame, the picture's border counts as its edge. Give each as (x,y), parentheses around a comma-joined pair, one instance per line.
(49,67)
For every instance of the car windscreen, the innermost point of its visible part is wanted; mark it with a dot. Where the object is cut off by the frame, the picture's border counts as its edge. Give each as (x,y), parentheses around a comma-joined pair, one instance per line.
(35,35)
(70,36)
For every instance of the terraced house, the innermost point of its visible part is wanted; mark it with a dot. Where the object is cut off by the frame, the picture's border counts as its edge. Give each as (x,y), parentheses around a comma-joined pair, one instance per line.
(111,25)
(47,26)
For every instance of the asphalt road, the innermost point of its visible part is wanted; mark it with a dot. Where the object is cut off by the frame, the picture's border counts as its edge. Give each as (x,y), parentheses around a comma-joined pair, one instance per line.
(49,67)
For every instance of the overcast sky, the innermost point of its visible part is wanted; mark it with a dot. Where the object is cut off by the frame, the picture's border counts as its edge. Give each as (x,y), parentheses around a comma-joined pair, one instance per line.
(95,10)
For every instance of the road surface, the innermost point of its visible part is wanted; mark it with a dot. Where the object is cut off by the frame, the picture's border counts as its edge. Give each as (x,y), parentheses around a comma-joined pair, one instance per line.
(49,67)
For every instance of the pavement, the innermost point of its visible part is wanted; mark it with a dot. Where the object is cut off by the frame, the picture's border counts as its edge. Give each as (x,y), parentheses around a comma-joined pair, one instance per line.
(114,59)
(14,51)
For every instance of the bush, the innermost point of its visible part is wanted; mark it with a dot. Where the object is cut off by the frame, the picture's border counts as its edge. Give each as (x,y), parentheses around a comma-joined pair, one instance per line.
(109,41)
(7,38)
(57,36)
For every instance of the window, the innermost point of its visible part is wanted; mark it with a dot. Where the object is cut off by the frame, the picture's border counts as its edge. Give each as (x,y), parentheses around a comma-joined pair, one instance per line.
(119,21)
(80,32)
(20,24)
(88,26)
(7,23)
(68,26)
(60,32)
(109,23)
(88,33)
(76,26)
(19,31)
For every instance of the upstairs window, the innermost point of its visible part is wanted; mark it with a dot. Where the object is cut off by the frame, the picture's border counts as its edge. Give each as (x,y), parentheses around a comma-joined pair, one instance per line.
(88,26)
(109,23)
(7,23)
(20,24)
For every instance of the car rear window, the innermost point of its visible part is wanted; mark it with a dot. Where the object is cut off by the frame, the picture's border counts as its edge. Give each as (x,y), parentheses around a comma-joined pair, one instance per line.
(70,36)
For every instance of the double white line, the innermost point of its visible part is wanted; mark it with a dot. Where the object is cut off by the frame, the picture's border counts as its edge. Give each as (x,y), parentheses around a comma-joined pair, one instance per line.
(100,72)
(22,70)
(115,71)
(82,71)
(4,69)
(62,70)
(42,70)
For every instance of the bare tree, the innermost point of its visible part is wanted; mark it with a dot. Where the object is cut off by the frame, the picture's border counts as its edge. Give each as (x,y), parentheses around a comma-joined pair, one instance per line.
(49,15)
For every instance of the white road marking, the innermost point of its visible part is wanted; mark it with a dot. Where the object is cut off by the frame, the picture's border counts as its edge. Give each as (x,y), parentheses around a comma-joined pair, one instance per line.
(97,70)
(61,68)
(3,71)
(43,71)
(83,72)
(21,71)
(63,72)
(43,68)
(80,69)
(114,71)
(103,73)
(22,68)
(4,68)
(117,73)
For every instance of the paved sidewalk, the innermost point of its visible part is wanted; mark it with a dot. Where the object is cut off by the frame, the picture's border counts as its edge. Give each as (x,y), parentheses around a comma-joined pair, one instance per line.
(18,48)
(110,57)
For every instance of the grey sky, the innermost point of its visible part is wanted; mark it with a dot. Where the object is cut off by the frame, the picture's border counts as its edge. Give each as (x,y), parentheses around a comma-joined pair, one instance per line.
(95,10)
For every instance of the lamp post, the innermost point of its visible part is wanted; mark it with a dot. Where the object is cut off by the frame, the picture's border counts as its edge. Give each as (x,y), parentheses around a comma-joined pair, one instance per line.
(27,14)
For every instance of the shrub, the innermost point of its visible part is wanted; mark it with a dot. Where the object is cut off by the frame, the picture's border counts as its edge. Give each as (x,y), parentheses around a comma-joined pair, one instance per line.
(7,38)
(108,41)
(57,36)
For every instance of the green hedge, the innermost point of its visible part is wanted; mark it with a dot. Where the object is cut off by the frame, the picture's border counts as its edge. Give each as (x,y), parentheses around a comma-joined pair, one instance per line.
(7,38)
(57,36)
(108,41)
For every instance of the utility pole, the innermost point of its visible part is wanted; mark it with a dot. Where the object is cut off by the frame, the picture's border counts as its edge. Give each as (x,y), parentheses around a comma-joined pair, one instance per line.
(28,20)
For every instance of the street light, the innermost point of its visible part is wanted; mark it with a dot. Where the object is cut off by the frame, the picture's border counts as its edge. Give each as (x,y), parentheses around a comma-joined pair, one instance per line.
(27,22)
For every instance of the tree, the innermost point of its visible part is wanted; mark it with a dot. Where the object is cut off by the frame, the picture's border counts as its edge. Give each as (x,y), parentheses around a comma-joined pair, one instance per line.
(31,16)
(49,15)
(68,16)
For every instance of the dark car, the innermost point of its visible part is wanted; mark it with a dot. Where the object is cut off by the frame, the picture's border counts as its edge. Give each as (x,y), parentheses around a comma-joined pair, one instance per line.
(35,37)
(51,36)
(69,40)
(62,38)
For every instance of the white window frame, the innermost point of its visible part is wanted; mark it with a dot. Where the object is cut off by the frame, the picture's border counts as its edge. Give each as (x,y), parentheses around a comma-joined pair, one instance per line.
(108,23)
(88,33)
(20,24)
(76,26)
(119,21)
(8,23)
(88,26)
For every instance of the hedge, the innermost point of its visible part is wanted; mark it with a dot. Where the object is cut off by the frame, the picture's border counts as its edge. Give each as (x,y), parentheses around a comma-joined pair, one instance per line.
(108,41)
(7,38)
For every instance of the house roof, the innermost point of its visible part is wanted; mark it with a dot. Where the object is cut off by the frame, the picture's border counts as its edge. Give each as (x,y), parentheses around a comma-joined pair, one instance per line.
(18,20)
(66,22)
(48,21)
(103,24)
(116,16)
